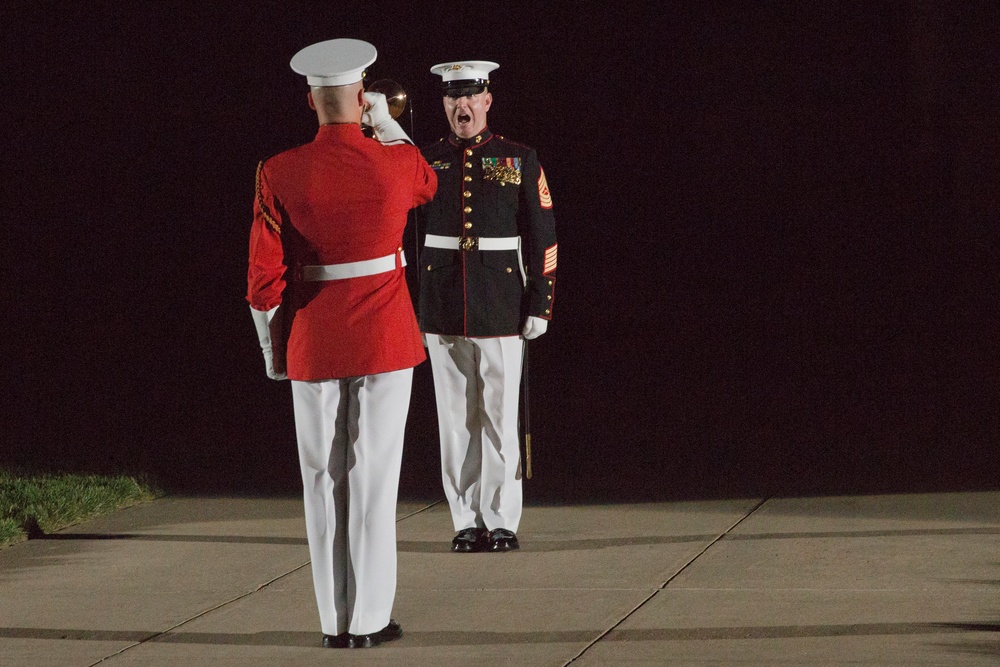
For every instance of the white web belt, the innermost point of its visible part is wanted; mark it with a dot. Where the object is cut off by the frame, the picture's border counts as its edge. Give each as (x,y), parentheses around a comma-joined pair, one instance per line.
(368,267)
(467,243)
(472,242)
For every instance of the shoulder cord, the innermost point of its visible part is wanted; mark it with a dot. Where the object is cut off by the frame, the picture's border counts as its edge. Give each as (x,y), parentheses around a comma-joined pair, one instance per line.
(260,202)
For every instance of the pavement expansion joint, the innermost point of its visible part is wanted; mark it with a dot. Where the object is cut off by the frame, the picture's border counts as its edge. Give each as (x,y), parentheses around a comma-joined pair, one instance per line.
(155,636)
(653,594)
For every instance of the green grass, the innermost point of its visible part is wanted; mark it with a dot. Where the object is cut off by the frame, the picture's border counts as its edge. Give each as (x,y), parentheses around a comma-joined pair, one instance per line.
(47,502)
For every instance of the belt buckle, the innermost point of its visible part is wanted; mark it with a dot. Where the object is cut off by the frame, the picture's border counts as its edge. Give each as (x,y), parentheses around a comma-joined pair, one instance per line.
(468,243)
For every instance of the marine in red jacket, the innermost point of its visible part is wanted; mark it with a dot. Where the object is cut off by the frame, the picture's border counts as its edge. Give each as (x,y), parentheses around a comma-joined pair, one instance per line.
(327,290)
(340,199)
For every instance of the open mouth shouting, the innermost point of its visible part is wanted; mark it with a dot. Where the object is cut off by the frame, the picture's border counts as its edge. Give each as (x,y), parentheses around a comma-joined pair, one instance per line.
(467,115)
(463,122)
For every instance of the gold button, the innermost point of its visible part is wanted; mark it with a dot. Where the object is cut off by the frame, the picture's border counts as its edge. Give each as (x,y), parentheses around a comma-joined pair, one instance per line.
(467,209)
(428,267)
(399,249)
(468,178)
(550,282)
(503,184)
(479,138)
(510,270)
(468,165)
(549,297)
(468,225)
(466,194)
(468,151)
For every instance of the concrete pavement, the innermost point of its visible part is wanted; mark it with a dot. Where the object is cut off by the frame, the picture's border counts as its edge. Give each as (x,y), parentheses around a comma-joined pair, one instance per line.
(852,580)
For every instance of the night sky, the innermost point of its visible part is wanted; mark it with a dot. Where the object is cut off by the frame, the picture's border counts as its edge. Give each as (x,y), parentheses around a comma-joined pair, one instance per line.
(778,225)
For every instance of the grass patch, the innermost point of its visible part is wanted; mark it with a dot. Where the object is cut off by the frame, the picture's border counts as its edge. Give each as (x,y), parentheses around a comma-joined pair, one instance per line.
(43,503)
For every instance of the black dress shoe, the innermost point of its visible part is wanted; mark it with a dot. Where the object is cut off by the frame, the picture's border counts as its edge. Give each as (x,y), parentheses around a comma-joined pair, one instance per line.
(502,539)
(386,634)
(469,540)
(336,641)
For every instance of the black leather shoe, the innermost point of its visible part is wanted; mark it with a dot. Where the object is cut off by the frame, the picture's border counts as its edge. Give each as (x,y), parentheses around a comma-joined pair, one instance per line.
(386,634)
(469,540)
(502,539)
(336,641)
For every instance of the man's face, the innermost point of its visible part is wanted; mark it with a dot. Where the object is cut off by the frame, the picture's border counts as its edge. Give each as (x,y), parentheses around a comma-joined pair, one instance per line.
(467,115)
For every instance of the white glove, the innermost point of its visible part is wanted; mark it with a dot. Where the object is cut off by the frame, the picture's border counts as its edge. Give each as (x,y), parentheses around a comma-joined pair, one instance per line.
(376,116)
(268,325)
(534,327)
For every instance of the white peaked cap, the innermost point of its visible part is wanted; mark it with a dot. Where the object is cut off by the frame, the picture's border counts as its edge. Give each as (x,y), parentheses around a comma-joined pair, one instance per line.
(335,62)
(465,70)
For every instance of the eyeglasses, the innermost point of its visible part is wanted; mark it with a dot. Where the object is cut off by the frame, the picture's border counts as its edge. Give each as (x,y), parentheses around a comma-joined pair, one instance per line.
(465,91)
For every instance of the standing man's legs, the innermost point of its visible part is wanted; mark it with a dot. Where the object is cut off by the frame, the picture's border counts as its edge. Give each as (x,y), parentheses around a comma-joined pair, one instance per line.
(350,435)
(500,372)
(383,401)
(456,391)
(477,387)
(321,432)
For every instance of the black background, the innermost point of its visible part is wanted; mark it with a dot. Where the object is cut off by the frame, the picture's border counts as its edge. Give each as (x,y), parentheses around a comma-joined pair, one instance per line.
(777,222)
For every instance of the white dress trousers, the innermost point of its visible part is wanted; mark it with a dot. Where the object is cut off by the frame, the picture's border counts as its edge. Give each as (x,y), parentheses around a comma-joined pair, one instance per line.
(477,386)
(350,440)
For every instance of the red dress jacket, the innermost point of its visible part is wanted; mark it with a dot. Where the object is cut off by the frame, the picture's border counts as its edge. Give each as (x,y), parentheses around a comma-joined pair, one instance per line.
(341,198)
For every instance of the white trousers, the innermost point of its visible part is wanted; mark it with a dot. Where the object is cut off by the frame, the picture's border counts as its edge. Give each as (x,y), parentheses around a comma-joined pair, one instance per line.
(477,386)
(350,438)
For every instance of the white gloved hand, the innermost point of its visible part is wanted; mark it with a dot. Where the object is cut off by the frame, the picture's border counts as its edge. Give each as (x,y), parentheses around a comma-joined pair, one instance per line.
(376,110)
(268,325)
(534,327)
(376,116)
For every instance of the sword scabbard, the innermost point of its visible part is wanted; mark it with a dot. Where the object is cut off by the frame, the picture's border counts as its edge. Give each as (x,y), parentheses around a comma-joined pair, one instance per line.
(527,455)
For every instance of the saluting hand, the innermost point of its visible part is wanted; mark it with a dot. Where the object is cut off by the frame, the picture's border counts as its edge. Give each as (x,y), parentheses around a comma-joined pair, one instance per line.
(376,111)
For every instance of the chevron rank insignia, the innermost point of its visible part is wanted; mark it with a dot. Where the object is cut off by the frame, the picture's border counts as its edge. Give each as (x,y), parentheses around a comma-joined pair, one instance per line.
(550,260)
(544,198)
